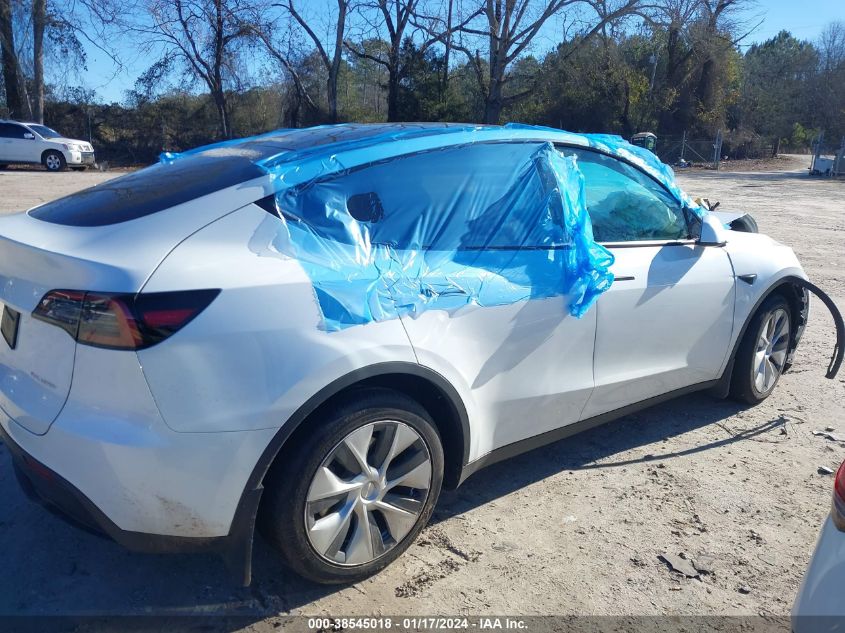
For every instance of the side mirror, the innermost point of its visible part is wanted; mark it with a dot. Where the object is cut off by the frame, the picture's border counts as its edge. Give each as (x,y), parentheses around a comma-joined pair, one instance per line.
(29,135)
(711,231)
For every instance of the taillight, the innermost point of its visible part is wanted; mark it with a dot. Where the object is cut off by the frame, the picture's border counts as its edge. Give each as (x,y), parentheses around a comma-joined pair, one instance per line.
(838,511)
(121,321)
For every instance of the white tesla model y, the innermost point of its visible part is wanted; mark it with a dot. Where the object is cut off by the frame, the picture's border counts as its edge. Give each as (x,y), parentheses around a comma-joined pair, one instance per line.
(312,331)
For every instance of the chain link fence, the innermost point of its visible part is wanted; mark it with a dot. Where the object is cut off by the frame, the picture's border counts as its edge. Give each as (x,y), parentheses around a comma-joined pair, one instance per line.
(709,152)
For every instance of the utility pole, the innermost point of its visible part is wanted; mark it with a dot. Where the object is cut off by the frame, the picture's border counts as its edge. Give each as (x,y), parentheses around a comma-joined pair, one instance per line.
(717,150)
(653,60)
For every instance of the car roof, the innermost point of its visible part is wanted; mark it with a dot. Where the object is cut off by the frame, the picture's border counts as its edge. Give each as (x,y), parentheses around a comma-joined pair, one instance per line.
(292,141)
(295,156)
(326,148)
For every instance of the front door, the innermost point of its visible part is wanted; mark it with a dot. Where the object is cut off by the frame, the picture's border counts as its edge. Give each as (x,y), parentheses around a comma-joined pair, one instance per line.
(664,324)
(666,321)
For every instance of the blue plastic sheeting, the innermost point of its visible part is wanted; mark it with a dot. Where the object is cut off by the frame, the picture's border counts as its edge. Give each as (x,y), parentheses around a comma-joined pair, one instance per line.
(412,218)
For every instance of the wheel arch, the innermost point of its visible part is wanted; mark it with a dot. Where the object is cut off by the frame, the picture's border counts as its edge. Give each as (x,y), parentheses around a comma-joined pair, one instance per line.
(52,150)
(793,289)
(427,387)
(431,390)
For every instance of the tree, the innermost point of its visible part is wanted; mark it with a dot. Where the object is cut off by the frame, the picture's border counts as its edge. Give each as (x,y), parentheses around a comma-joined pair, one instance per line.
(331,57)
(394,16)
(393,21)
(39,24)
(714,45)
(11,65)
(787,63)
(201,34)
(832,46)
(509,26)
(828,87)
(670,21)
(288,60)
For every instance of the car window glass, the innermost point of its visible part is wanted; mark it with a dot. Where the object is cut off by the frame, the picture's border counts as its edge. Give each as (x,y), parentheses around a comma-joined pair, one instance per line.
(466,198)
(10,130)
(625,204)
(148,191)
(45,131)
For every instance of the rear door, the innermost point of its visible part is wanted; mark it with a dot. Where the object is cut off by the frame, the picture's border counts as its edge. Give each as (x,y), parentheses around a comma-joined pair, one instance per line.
(470,244)
(666,321)
(14,147)
(6,147)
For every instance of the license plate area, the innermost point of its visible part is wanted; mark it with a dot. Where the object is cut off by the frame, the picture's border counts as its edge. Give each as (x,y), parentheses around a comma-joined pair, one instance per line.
(9,323)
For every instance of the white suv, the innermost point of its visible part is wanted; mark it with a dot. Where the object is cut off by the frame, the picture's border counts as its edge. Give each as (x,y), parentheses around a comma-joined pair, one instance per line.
(317,329)
(34,143)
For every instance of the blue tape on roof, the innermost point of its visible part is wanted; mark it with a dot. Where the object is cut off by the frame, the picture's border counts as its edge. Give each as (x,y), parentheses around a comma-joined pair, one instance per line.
(392,221)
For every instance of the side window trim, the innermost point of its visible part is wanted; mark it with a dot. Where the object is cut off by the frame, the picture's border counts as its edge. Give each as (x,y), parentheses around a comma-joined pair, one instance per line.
(638,243)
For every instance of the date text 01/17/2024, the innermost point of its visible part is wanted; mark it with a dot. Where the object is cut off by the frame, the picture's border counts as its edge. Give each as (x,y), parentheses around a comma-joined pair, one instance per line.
(416,623)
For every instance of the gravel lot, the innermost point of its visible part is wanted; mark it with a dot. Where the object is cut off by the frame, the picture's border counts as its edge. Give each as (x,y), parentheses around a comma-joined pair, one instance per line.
(574,528)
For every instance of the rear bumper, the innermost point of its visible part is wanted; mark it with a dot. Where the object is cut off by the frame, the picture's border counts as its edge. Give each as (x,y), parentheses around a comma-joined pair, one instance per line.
(45,486)
(111,464)
(110,443)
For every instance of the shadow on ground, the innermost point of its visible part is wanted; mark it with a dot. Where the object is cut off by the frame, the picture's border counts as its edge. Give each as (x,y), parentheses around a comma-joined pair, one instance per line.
(51,568)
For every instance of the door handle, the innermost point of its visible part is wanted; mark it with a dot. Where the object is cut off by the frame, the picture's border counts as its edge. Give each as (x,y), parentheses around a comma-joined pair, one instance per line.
(628,278)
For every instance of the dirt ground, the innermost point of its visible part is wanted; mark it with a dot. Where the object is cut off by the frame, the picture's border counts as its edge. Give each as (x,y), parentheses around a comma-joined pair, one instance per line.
(573,528)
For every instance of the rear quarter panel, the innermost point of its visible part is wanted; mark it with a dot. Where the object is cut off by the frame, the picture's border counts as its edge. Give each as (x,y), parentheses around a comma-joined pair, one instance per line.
(257,353)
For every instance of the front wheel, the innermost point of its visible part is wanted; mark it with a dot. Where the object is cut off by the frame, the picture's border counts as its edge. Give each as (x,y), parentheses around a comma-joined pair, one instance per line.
(761,357)
(54,161)
(353,494)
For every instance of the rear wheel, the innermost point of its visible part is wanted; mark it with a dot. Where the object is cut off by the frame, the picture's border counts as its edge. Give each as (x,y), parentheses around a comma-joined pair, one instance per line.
(353,495)
(761,357)
(53,160)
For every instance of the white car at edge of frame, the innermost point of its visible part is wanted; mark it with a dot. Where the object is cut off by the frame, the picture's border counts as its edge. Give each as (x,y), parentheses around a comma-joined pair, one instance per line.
(34,144)
(820,604)
(163,378)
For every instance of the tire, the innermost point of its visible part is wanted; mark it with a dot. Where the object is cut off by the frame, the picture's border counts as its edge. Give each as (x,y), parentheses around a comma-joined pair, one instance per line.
(745,224)
(53,160)
(772,319)
(297,498)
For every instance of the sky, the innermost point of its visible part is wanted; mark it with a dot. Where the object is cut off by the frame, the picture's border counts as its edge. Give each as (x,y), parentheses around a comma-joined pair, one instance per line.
(805,19)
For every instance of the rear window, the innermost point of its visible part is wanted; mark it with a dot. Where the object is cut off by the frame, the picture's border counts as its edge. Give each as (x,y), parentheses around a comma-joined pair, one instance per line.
(474,197)
(150,190)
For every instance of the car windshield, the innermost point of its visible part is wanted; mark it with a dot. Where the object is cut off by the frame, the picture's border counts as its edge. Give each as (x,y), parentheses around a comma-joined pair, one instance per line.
(44,131)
